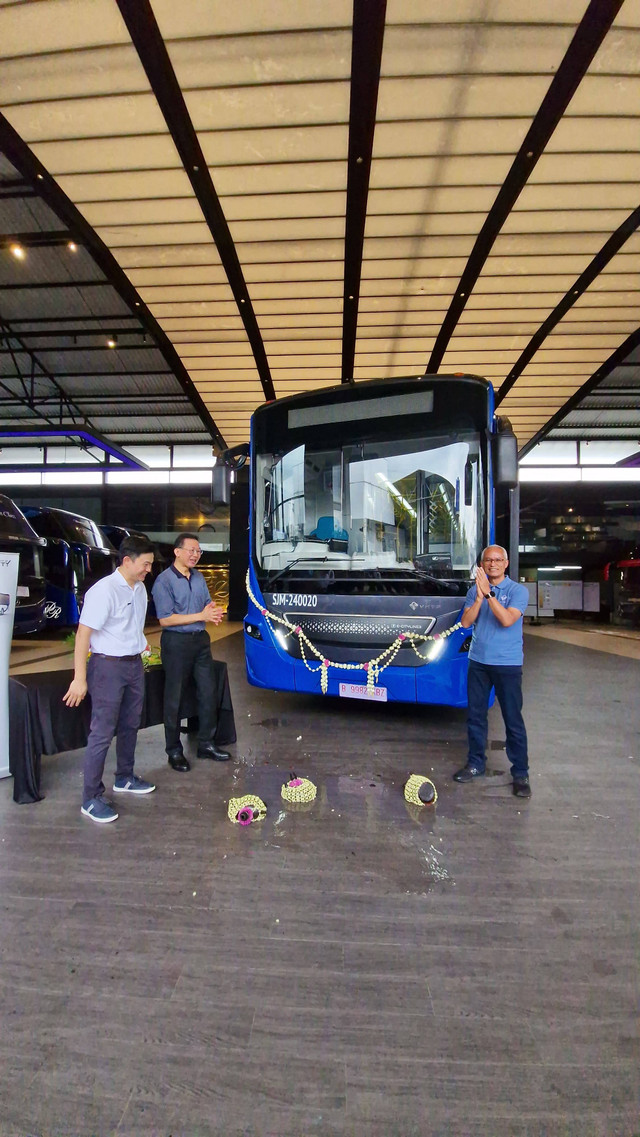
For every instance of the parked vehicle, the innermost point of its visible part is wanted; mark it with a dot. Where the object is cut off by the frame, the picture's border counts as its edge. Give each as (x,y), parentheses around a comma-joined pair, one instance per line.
(623,578)
(116,534)
(77,554)
(370,504)
(17,536)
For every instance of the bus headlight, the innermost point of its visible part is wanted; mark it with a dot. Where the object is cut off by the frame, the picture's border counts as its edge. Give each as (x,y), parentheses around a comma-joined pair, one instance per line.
(434,651)
(465,645)
(253,630)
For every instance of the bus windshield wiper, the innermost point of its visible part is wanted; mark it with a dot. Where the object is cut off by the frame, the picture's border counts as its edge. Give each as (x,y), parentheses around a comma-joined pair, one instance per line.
(442,586)
(296,561)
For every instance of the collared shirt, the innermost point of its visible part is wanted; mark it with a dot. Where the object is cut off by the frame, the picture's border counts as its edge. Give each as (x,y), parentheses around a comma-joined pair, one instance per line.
(178,595)
(492,643)
(116,612)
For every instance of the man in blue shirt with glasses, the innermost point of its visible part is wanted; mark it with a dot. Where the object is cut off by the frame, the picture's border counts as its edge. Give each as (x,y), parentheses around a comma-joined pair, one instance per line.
(495,606)
(184,608)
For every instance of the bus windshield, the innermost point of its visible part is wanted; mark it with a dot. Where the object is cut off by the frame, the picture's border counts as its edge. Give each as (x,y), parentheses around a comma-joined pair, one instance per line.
(409,506)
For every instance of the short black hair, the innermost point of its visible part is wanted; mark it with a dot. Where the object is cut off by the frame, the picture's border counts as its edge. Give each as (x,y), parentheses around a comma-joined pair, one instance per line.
(182,537)
(134,547)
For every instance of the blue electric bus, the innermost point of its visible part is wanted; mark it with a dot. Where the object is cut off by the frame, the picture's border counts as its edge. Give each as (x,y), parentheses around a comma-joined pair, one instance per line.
(369,506)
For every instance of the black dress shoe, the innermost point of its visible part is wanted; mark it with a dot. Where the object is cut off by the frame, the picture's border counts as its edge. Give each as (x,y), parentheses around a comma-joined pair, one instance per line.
(210,750)
(521,787)
(467,774)
(177,761)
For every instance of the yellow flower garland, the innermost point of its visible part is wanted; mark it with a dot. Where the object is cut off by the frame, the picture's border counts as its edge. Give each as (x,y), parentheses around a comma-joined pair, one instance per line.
(244,810)
(373,667)
(298,790)
(412,790)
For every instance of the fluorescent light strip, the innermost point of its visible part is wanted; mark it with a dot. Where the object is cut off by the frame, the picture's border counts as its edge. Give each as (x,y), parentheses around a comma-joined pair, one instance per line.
(579,474)
(60,478)
(187,477)
(20,479)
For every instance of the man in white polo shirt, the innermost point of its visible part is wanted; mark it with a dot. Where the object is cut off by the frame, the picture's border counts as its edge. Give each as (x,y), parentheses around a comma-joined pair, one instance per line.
(112,628)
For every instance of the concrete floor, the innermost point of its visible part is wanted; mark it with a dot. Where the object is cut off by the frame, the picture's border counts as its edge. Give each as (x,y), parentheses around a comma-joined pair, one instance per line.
(352,971)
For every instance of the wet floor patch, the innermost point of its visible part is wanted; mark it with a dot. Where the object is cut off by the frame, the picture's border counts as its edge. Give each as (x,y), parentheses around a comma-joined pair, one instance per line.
(361,818)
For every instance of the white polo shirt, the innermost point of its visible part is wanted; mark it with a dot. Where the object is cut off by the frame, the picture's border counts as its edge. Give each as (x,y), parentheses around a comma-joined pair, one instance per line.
(116,613)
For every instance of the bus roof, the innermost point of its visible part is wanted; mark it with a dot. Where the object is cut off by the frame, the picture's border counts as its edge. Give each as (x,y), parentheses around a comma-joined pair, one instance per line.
(364,388)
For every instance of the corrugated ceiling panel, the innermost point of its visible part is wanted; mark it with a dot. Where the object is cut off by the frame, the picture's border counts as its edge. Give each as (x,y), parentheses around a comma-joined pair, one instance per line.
(267,86)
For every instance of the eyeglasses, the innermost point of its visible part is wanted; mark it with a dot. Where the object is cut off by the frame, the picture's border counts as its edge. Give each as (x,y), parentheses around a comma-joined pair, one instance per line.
(493,560)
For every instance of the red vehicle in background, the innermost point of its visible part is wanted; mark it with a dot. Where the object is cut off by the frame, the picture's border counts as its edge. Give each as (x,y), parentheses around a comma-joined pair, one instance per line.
(623,578)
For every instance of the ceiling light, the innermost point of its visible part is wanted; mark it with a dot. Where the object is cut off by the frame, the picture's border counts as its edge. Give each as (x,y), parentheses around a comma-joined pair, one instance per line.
(112,341)
(73,248)
(17,251)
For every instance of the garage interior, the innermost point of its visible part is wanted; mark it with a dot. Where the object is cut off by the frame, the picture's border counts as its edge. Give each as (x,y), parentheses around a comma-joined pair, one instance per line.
(206,207)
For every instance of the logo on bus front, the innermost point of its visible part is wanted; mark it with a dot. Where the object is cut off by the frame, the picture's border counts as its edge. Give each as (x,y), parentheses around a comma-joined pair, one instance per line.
(293,600)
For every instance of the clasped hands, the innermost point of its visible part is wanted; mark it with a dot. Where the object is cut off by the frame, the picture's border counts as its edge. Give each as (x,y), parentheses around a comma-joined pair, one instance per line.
(211,613)
(483,586)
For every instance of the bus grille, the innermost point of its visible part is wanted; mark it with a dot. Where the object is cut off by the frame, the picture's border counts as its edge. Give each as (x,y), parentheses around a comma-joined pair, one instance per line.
(359,629)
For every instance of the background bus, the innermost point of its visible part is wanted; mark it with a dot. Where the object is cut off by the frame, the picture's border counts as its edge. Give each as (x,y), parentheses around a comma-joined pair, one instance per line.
(76,556)
(17,536)
(370,504)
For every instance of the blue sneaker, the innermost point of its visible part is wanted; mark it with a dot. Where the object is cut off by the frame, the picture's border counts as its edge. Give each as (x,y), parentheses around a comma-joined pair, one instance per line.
(132,784)
(99,809)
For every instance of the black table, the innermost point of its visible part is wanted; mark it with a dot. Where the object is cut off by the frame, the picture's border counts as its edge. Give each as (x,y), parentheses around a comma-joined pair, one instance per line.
(40,723)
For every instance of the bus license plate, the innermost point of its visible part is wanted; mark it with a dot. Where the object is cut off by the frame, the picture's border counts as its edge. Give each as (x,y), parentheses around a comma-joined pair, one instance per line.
(359,691)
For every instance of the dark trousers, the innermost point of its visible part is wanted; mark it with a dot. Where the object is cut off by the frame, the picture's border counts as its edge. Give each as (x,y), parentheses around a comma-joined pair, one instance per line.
(187,656)
(507,682)
(116,687)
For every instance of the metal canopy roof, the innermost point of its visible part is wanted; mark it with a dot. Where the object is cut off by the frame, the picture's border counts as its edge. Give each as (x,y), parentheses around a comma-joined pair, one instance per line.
(273,196)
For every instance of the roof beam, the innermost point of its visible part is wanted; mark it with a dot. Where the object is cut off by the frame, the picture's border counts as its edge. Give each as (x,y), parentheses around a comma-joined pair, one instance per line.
(32,286)
(366,54)
(589,35)
(37,238)
(87,438)
(148,42)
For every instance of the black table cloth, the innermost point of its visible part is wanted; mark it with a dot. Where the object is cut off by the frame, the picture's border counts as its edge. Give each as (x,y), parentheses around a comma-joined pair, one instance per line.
(40,723)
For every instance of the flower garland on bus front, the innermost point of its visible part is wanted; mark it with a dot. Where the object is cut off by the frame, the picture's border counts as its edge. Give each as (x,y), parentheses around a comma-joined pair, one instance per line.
(373,668)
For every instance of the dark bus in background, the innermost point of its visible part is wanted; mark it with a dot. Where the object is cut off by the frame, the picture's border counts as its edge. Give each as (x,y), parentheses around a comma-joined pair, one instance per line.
(17,536)
(77,554)
(370,505)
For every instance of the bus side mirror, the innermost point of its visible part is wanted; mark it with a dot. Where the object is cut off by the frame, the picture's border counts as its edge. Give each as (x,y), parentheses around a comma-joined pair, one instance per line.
(468,482)
(505,459)
(221,485)
(56,554)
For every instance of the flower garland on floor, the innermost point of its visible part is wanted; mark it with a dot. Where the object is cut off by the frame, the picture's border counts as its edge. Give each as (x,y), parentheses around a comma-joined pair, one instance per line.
(373,668)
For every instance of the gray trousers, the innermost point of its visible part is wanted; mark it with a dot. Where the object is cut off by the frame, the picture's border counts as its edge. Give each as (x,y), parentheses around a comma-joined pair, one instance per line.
(116,687)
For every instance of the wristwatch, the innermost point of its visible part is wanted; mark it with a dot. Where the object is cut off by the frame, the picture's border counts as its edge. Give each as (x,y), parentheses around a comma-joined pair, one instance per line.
(492,592)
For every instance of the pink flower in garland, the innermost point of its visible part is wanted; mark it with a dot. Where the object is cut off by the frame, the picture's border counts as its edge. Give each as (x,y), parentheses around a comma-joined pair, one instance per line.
(297,630)
(326,662)
(365,666)
(402,636)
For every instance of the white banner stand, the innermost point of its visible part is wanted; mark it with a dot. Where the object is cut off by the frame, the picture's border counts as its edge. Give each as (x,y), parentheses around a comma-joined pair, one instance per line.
(8,585)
